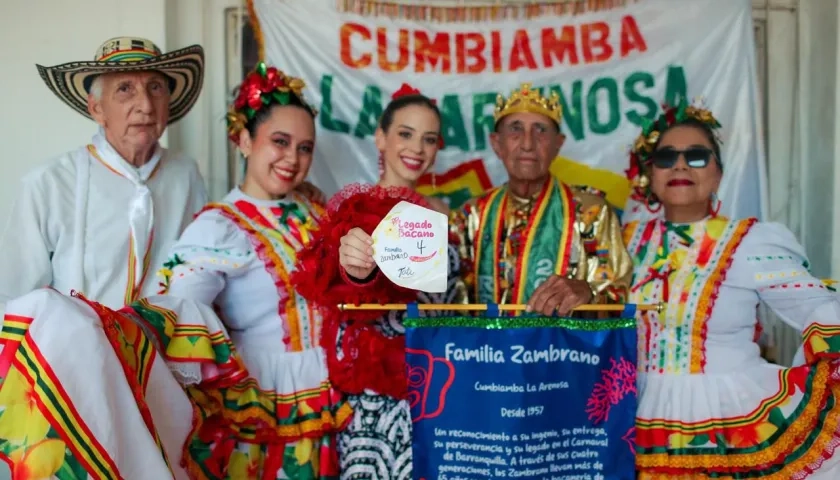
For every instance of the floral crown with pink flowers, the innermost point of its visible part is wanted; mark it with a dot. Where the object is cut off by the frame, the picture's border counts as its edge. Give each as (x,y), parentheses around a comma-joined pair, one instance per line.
(262,87)
(647,140)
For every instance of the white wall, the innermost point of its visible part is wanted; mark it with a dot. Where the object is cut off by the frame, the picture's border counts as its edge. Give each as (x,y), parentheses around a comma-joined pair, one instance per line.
(202,132)
(35,125)
(835,79)
(819,117)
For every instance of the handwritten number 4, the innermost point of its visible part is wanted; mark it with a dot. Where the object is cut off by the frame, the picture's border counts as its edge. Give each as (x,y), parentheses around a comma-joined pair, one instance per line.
(420,246)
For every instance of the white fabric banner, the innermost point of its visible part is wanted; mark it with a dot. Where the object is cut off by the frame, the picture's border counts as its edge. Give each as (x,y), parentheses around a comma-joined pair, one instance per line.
(611,67)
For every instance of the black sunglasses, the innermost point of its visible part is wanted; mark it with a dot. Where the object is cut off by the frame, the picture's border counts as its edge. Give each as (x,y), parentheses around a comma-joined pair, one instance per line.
(695,157)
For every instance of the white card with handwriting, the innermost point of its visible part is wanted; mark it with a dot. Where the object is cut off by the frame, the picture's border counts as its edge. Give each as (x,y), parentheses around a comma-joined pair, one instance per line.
(410,247)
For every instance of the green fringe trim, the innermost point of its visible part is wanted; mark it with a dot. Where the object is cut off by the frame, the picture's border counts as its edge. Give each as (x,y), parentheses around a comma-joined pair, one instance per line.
(521,322)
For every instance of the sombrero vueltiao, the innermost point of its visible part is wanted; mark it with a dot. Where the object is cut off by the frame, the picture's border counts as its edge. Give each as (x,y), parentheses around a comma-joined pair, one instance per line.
(184,68)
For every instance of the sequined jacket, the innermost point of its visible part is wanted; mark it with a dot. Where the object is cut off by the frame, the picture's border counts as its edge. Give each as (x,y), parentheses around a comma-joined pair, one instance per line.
(563,230)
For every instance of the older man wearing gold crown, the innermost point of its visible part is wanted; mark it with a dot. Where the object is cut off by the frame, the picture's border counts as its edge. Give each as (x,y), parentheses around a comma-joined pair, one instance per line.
(535,240)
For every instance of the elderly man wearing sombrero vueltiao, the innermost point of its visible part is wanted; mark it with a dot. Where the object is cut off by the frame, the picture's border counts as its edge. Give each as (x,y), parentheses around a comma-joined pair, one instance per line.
(97,217)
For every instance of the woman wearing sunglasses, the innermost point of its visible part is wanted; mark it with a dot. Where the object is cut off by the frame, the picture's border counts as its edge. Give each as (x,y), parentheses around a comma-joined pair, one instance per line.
(709,405)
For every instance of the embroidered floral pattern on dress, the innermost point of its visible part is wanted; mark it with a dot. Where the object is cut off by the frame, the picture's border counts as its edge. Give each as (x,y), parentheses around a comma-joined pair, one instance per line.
(241,429)
(748,421)
(660,250)
(32,448)
(166,273)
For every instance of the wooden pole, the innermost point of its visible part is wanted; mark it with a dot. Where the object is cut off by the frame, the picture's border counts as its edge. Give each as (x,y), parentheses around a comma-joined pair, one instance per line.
(479,307)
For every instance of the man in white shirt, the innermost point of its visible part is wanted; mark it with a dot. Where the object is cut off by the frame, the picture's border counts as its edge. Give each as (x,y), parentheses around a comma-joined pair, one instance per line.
(100,219)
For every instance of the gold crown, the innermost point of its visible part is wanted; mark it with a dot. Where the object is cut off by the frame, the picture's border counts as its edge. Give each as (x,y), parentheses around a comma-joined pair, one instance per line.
(524,100)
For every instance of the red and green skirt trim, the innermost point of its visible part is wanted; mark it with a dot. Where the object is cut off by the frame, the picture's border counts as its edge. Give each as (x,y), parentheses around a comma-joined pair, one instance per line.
(767,443)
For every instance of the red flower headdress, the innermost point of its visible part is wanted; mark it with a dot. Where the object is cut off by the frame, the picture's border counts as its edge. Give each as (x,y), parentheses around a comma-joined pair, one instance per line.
(263,86)
(406,89)
(646,141)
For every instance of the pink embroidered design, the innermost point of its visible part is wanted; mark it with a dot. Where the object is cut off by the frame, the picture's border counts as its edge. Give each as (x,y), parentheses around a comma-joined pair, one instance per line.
(616,383)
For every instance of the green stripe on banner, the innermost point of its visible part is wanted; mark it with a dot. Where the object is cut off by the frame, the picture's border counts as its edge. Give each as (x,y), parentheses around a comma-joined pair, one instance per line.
(522,322)
(611,69)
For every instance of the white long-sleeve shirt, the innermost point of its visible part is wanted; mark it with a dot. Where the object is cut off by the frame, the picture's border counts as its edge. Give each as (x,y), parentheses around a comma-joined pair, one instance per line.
(69,226)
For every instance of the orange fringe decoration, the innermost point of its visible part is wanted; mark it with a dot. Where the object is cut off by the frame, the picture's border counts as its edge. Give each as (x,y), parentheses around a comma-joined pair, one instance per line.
(483,13)
(453,14)
(255,25)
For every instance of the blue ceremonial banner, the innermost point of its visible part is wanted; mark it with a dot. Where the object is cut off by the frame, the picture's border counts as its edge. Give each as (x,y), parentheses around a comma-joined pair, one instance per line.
(522,397)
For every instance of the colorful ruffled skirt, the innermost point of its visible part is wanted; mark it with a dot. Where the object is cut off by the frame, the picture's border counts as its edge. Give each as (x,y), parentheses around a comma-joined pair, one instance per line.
(157,390)
(762,421)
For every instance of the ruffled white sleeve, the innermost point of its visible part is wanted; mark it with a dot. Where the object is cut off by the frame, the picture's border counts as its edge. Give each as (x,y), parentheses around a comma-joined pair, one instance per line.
(181,320)
(211,250)
(773,263)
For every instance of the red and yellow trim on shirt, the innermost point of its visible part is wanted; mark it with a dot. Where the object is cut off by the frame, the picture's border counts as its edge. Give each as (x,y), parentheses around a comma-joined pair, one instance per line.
(709,294)
(133,288)
(265,249)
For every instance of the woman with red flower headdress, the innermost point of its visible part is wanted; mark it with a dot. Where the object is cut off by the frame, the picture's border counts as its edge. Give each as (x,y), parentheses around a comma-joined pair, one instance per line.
(219,377)
(709,405)
(268,411)
(366,351)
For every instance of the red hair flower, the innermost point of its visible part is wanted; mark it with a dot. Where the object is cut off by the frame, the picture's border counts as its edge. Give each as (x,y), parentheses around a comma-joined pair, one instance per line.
(263,86)
(404,90)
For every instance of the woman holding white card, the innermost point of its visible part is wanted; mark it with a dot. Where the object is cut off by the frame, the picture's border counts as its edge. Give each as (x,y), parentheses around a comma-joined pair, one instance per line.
(366,350)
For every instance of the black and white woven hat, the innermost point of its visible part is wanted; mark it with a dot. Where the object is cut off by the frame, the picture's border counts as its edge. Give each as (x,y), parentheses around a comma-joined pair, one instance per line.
(184,68)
